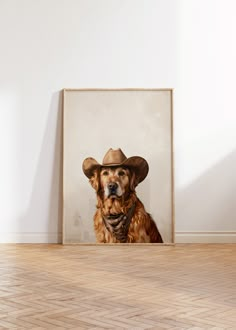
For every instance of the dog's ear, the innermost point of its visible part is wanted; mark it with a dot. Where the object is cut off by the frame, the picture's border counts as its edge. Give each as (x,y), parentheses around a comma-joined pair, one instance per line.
(95,180)
(133,181)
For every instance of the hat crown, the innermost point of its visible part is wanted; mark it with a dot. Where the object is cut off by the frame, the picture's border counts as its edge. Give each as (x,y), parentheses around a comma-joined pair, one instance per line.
(117,158)
(114,157)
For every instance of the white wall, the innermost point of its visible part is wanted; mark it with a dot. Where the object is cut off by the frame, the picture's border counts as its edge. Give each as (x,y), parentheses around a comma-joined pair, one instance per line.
(51,44)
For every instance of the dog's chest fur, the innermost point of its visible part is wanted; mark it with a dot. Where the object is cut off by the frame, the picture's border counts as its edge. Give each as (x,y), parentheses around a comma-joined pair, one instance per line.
(135,232)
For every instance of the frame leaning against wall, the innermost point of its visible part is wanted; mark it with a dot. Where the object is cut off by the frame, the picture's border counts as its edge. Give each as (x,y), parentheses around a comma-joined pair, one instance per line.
(77,104)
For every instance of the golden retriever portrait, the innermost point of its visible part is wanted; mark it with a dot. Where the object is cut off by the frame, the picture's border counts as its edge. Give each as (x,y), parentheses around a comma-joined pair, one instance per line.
(120,216)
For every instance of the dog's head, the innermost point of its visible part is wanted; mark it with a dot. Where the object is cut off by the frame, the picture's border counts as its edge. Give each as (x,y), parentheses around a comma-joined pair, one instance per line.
(116,178)
(114,182)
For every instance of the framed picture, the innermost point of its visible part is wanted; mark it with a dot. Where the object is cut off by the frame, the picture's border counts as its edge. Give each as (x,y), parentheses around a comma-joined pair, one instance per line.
(118,185)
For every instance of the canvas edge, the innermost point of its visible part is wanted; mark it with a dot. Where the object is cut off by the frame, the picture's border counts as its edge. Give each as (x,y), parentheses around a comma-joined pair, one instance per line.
(63,166)
(172,166)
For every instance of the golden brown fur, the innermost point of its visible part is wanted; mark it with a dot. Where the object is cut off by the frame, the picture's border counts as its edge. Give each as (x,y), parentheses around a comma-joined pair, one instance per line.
(142,228)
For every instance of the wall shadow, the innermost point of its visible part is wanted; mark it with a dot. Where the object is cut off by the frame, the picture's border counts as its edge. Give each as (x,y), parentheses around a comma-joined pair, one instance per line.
(208,203)
(47,187)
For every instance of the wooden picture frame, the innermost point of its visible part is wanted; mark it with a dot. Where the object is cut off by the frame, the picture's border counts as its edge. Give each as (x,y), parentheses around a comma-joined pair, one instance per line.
(140,122)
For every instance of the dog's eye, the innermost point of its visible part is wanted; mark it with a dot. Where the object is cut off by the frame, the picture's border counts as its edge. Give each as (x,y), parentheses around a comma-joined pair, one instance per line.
(121,173)
(105,173)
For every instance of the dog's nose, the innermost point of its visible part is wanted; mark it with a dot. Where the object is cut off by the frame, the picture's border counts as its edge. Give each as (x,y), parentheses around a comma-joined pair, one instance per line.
(112,186)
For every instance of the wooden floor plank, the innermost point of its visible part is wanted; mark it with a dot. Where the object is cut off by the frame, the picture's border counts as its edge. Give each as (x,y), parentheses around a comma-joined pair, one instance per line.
(118,287)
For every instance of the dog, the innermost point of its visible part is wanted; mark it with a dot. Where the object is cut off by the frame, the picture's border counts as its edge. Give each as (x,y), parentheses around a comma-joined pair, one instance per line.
(120,216)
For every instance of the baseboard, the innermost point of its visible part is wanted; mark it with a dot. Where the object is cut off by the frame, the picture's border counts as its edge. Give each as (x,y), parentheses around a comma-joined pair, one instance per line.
(205,237)
(180,237)
(30,237)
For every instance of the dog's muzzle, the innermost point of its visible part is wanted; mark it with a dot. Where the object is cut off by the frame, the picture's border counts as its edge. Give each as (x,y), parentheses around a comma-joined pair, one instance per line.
(113,189)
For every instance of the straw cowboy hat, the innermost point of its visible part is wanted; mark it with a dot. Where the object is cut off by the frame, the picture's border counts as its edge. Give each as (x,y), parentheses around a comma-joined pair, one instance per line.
(117,158)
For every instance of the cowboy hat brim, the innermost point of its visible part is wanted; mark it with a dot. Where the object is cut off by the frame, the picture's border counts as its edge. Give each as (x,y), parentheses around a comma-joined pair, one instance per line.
(136,163)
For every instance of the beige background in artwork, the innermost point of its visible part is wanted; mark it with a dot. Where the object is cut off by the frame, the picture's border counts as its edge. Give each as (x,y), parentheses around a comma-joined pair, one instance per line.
(138,122)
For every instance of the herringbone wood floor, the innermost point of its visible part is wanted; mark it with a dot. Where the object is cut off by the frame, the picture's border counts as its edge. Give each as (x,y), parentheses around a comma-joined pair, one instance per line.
(118,287)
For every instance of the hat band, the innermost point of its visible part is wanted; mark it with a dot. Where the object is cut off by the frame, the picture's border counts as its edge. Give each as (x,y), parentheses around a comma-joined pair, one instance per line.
(112,164)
